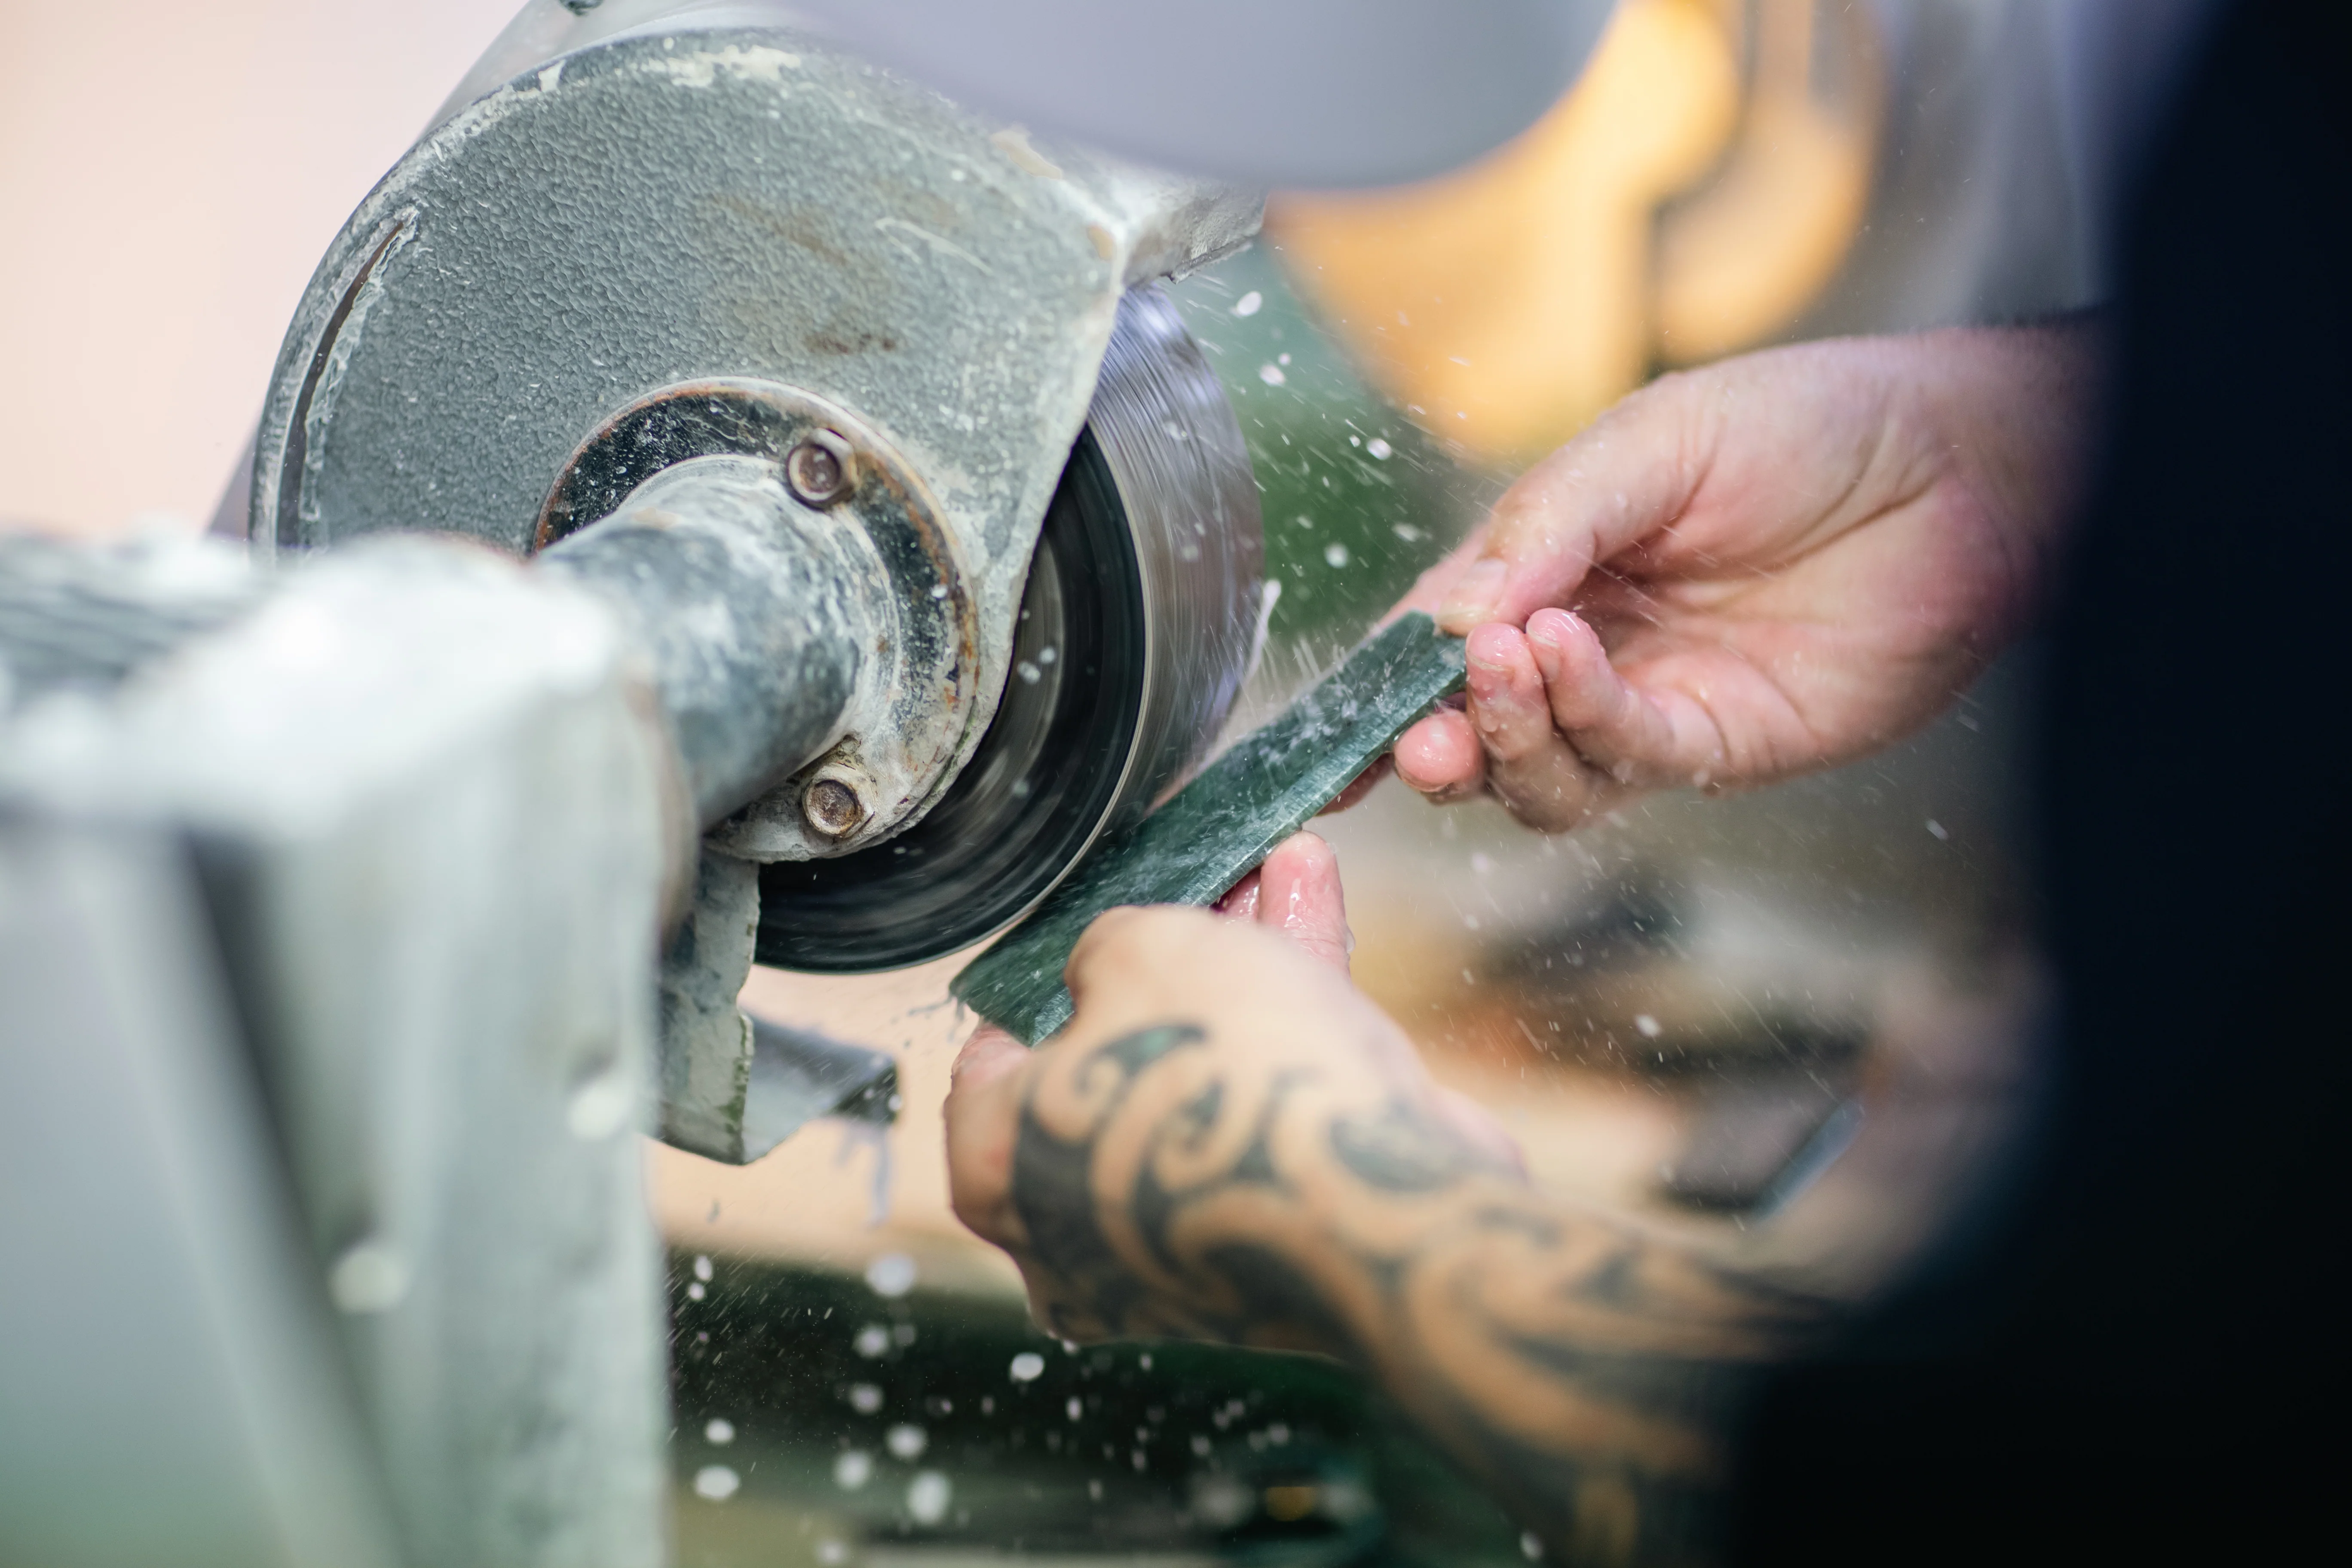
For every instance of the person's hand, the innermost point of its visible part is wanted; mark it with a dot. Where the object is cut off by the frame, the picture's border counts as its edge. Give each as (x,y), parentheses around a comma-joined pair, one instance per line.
(1048,1150)
(1231,1142)
(1744,573)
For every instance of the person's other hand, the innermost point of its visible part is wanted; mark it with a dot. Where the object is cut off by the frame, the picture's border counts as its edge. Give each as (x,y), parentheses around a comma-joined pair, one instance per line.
(1740,574)
(1047,1147)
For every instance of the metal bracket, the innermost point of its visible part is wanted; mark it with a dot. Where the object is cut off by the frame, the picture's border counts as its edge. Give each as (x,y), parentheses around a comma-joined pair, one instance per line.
(733,1086)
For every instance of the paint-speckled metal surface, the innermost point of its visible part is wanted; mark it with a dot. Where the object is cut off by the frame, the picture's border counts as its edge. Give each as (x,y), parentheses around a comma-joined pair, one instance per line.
(675,206)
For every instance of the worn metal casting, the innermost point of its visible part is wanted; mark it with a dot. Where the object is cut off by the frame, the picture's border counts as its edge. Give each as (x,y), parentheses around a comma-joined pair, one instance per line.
(681,207)
(417,814)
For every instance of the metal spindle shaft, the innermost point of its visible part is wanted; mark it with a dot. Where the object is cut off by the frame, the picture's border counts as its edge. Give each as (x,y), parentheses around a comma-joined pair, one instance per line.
(755,610)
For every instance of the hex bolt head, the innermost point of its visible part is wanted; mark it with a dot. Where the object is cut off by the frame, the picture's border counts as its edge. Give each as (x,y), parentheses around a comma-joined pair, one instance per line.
(820,469)
(832,807)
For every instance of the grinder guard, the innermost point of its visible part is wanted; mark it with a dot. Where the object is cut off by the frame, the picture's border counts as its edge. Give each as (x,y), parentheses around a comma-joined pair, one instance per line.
(672,209)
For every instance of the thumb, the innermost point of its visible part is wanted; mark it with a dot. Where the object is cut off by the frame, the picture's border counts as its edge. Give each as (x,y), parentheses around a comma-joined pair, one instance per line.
(990,1054)
(1299,895)
(1631,473)
(982,1116)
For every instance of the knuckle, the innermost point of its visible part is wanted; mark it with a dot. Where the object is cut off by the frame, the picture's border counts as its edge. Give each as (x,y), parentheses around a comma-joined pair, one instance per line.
(970,1212)
(1525,740)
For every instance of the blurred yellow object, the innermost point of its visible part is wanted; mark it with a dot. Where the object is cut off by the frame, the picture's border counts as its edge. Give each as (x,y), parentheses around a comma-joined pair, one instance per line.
(1690,196)
(1742,259)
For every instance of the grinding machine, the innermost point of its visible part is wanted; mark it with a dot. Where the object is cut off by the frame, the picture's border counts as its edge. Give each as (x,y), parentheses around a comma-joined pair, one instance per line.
(847,535)
(937,526)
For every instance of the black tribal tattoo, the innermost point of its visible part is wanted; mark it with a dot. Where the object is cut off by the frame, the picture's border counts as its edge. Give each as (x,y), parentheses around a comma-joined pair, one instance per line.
(1589,1371)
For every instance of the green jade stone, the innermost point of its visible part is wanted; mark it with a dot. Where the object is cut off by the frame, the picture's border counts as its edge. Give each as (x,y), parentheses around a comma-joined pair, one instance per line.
(1226,821)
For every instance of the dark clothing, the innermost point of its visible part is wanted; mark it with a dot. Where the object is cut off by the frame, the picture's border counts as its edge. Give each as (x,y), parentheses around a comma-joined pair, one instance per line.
(2153,1351)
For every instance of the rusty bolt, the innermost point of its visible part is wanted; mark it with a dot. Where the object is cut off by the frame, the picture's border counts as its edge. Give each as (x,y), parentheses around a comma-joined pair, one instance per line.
(832,807)
(821,468)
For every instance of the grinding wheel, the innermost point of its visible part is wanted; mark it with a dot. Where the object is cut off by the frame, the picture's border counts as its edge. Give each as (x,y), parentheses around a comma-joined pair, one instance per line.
(1136,628)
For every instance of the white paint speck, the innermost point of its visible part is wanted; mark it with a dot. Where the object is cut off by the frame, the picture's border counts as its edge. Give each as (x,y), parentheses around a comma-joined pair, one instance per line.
(702,1267)
(1249,304)
(853,1469)
(701,68)
(872,1340)
(369,1277)
(717,1483)
(939,243)
(1271,374)
(1335,554)
(1379,448)
(906,1441)
(1938,829)
(718,1432)
(1028,1366)
(1014,142)
(1649,1027)
(598,1108)
(928,1497)
(891,1275)
(864,1398)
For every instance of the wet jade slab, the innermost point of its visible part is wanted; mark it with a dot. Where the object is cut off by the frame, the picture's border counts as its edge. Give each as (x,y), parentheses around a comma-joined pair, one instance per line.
(1263,790)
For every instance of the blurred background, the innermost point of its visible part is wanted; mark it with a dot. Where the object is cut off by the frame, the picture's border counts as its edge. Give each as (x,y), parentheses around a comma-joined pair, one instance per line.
(1798,1021)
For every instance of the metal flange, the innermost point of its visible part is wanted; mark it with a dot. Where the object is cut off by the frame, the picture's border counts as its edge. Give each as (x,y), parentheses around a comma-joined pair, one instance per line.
(1138,625)
(916,694)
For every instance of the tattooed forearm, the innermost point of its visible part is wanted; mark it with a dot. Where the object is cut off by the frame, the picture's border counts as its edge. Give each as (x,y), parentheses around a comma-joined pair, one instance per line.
(1587,1370)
